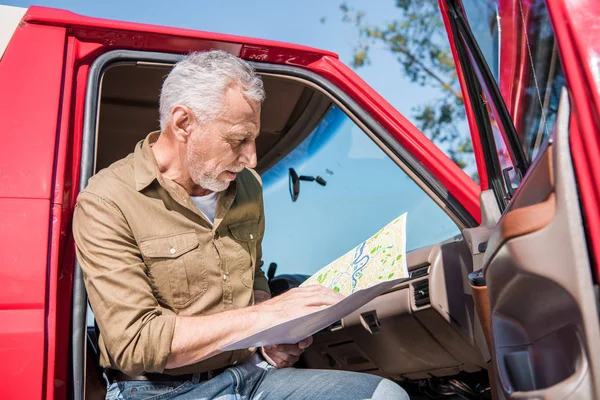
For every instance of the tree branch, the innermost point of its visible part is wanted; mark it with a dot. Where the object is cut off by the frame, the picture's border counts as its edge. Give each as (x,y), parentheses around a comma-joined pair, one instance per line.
(428,71)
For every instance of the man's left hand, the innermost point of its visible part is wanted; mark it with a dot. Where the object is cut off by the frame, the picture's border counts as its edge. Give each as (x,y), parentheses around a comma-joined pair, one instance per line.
(281,355)
(285,355)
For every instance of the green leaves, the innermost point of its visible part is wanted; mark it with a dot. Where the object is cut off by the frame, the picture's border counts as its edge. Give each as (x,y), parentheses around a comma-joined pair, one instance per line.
(360,58)
(417,37)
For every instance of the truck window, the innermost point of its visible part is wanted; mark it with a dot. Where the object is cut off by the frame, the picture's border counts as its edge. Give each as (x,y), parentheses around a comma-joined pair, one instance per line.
(364,191)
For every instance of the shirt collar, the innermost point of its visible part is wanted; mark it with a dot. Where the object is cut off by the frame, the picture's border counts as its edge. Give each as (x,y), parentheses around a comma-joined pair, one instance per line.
(146,168)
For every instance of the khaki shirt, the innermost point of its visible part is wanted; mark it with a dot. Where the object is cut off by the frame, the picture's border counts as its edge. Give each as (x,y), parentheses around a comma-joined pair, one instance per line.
(148,254)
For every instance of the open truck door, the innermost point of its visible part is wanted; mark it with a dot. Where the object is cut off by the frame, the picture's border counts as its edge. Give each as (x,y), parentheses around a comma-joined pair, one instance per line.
(527,72)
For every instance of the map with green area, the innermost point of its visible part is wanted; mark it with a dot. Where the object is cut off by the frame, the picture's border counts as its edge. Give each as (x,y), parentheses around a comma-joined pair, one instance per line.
(380,258)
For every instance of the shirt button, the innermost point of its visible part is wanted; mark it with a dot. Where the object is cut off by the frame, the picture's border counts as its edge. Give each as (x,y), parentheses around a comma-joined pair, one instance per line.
(172,250)
(235,362)
(224,277)
(251,236)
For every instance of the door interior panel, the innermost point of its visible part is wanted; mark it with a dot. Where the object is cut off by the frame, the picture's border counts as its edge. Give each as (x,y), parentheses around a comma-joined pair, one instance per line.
(421,328)
(544,321)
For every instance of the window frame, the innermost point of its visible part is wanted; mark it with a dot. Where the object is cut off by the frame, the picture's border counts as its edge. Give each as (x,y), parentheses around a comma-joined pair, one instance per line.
(467,49)
(406,161)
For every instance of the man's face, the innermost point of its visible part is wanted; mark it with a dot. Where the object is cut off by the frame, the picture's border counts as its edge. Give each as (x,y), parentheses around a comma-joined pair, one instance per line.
(221,148)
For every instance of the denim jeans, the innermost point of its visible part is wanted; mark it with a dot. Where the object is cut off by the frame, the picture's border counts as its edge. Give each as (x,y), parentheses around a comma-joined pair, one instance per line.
(256,379)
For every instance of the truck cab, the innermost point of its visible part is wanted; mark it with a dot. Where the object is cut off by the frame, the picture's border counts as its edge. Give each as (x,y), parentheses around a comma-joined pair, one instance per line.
(503,272)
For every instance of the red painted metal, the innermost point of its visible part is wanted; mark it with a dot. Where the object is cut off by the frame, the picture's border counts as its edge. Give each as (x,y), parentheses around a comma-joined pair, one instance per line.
(117,34)
(515,65)
(580,56)
(23,254)
(67,189)
(474,130)
(60,276)
(30,85)
(509,75)
(30,77)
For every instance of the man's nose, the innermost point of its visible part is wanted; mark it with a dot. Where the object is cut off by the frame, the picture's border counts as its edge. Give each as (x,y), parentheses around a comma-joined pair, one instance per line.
(248,155)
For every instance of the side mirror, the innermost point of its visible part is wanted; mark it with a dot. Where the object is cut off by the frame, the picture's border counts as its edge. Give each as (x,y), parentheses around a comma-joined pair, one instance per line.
(295,182)
(271,271)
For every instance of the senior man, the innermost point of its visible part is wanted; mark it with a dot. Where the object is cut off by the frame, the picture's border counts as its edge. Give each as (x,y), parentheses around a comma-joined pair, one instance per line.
(169,240)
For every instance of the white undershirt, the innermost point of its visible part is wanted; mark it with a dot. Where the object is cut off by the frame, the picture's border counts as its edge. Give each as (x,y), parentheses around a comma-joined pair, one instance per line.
(207,205)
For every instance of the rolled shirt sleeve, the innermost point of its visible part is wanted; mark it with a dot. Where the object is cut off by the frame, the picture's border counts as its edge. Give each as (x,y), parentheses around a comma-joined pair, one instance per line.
(136,331)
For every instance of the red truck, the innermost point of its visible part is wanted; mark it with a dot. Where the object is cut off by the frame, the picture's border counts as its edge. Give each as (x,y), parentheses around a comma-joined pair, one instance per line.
(509,293)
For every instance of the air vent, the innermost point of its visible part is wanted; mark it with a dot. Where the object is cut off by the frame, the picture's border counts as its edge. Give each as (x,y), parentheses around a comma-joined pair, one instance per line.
(421,292)
(419,272)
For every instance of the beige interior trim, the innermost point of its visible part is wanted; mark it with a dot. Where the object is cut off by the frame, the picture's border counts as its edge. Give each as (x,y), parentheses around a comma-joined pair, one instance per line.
(544,313)
(410,340)
(482,307)
(528,219)
(481,302)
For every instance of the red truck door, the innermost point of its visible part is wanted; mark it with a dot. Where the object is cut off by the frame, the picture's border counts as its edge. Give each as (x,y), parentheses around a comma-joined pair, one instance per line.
(524,67)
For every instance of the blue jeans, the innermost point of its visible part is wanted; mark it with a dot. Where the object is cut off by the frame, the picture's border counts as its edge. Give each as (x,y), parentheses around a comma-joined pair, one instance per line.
(256,379)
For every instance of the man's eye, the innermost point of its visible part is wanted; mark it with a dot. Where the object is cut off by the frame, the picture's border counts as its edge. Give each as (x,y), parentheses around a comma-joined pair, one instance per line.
(235,143)
(238,141)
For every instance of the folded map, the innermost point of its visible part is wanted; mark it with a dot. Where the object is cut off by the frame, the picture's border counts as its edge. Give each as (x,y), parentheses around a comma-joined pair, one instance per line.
(365,272)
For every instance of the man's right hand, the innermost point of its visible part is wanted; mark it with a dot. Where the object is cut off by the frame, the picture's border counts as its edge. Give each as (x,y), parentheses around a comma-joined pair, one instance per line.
(298,302)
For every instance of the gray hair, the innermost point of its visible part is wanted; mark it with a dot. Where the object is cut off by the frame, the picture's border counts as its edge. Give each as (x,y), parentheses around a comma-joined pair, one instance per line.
(199,82)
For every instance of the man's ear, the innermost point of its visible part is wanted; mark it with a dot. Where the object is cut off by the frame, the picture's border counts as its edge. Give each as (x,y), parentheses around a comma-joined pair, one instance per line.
(182,122)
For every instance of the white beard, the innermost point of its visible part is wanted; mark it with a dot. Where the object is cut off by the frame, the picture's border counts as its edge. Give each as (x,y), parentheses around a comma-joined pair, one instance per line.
(206,180)
(210,182)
